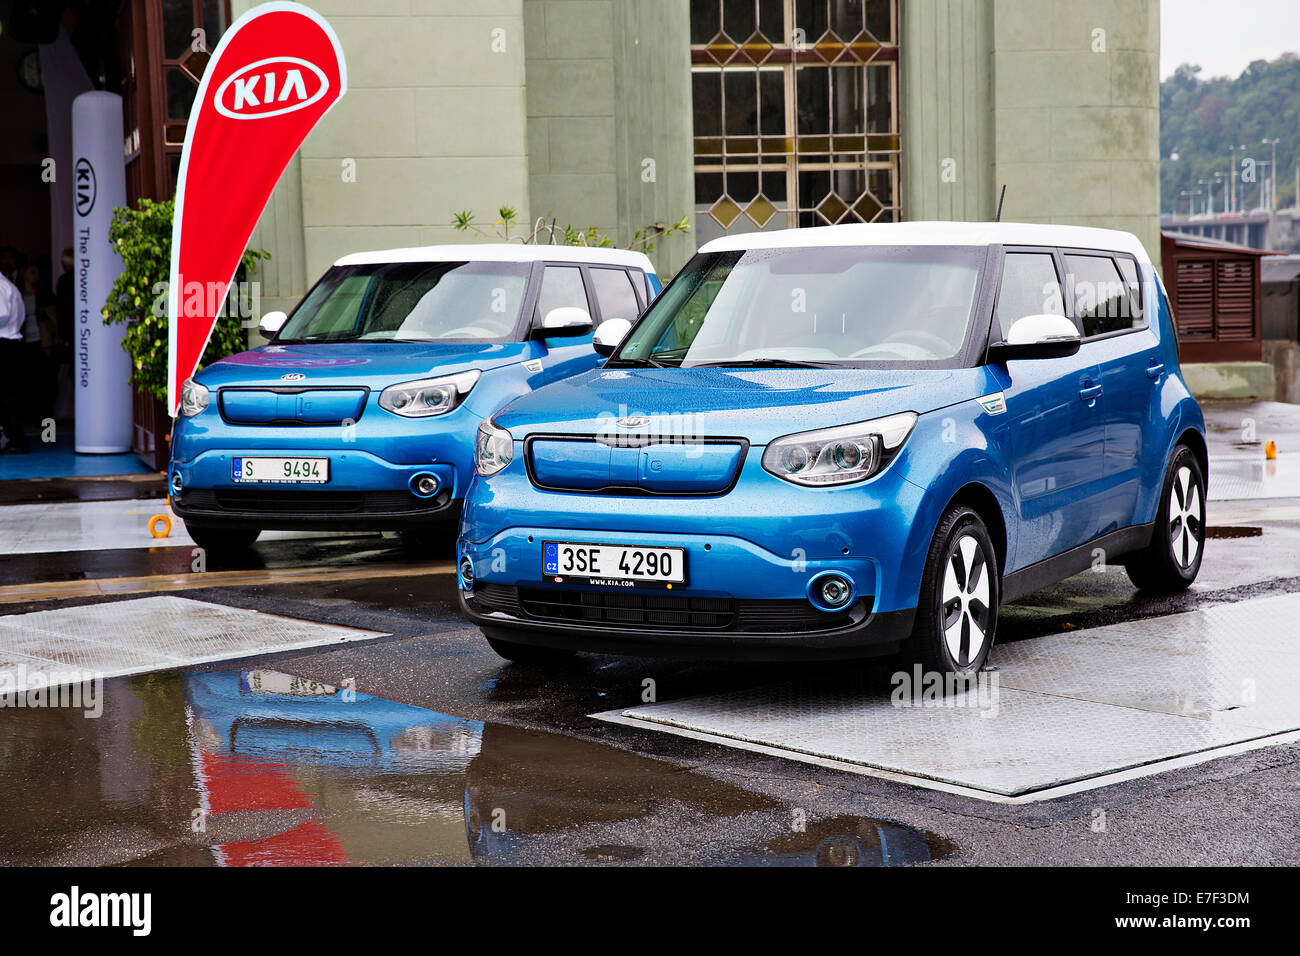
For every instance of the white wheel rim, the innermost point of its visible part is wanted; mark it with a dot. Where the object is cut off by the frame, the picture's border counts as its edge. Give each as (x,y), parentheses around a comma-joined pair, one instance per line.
(966,596)
(1186,522)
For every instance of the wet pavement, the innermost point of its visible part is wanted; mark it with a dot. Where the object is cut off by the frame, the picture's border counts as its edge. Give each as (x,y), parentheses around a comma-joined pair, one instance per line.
(446,755)
(259,767)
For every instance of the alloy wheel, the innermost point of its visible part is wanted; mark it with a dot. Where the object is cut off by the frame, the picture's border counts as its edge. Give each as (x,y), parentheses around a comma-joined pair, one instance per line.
(965,612)
(1186,524)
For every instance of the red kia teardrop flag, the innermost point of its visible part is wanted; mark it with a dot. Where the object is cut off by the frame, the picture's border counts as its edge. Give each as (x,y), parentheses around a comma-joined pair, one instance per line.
(275,73)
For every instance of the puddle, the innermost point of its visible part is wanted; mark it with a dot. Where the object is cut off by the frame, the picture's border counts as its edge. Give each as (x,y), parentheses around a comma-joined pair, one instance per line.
(258,767)
(1233,531)
(855,841)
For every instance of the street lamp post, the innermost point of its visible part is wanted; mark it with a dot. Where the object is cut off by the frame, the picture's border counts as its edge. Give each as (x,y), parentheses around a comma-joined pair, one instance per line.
(1234,200)
(1272,189)
(1264,185)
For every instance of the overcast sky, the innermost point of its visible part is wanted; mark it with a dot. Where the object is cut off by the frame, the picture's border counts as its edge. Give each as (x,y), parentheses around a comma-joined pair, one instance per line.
(1223,36)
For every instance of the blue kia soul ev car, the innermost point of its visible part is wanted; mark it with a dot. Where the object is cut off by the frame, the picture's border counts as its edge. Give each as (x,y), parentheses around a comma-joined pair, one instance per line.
(834,442)
(361,413)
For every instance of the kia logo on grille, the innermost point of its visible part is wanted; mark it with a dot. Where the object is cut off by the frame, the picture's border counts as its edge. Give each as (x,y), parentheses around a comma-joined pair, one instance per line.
(271,87)
(633,421)
(292,377)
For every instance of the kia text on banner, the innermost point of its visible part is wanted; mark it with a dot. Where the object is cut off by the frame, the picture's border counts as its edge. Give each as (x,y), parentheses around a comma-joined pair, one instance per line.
(101,367)
(275,73)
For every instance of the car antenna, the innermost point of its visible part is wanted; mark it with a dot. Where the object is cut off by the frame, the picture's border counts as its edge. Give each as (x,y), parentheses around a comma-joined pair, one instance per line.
(1001,199)
(552,230)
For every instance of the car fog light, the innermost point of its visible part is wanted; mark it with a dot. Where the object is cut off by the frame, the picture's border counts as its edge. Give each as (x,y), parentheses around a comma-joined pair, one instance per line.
(424,484)
(835,591)
(467,573)
(177,483)
(831,591)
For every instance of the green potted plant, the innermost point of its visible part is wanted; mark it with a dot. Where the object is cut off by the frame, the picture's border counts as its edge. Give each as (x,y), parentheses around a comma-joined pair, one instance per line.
(143,237)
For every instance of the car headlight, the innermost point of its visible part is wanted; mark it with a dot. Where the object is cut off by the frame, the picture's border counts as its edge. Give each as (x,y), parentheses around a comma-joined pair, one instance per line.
(194,398)
(840,455)
(428,396)
(493,449)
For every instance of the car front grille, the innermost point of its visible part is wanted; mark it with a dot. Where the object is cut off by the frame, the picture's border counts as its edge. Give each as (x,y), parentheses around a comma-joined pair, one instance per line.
(663,612)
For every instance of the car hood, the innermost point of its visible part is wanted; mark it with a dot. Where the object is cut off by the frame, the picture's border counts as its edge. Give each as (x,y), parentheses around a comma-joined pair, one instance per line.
(755,404)
(359,363)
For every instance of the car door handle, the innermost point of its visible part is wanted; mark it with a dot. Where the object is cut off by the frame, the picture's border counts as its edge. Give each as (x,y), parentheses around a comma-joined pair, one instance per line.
(1155,369)
(1090,393)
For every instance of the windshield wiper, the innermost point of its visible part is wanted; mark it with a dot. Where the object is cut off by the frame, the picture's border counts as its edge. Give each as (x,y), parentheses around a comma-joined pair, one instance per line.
(764,363)
(643,363)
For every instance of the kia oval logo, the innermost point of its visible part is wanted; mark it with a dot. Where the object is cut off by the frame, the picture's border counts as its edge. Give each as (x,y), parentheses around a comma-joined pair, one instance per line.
(271,87)
(84,186)
(292,377)
(633,421)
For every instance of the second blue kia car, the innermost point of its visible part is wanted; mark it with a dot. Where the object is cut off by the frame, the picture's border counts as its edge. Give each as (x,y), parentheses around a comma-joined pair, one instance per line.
(362,411)
(834,442)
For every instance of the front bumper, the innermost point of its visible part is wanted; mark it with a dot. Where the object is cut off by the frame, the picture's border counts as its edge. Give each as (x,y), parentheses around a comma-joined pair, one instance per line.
(751,557)
(863,635)
(363,493)
(370,473)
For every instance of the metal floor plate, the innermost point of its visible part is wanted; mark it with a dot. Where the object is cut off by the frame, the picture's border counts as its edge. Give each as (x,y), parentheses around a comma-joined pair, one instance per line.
(97,526)
(1073,710)
(1238,479)
(150,634)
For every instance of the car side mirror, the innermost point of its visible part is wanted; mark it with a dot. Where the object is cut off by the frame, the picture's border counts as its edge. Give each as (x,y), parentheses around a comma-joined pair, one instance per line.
(610,335)
(566,320)
(272,322)
(1035,337)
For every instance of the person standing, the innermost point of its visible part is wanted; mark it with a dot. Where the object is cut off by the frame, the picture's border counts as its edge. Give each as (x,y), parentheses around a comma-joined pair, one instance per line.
(65,307)
(38,344)
(13,315)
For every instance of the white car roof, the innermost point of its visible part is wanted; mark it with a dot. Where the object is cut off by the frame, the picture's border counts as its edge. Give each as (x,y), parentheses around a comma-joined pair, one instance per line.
(500,252)
(936,234)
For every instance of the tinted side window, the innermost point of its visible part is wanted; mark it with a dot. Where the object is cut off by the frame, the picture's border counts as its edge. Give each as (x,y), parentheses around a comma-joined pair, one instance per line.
(1129,270)
(561,286)
(615,294)
(1102,298)
(1029,287)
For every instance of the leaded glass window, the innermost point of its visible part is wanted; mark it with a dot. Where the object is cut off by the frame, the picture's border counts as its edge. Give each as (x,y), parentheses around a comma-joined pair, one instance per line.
(795,113)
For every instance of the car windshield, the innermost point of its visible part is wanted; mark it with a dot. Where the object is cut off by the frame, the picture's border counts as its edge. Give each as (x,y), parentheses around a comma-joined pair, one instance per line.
(411,302)
(814,306)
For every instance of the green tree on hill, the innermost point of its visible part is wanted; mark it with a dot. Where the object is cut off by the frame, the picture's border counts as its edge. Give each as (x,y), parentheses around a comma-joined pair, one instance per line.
(1201,118)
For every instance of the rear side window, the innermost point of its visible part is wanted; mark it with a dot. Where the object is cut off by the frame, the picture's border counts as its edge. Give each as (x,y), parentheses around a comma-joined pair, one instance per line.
(615,294)
(561,286)
(1030,286)
(1103,298)
(1129,270)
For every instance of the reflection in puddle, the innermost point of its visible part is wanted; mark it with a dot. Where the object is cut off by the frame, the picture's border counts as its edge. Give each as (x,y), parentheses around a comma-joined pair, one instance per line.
(246,768)
(856,841)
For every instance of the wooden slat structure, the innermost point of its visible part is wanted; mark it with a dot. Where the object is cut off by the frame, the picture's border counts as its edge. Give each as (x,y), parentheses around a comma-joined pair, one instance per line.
(1214,288)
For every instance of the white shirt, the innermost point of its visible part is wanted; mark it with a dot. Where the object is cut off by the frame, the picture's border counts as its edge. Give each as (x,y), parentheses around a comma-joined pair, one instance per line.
(13,313)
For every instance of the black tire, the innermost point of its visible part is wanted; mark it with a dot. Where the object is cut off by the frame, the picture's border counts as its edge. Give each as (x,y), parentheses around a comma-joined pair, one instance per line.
(222,540)
(961,587)
(1172,560)
(528,654)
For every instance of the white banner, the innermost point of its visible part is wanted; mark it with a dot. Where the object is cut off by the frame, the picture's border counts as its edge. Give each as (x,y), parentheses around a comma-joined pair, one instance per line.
(101,369)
